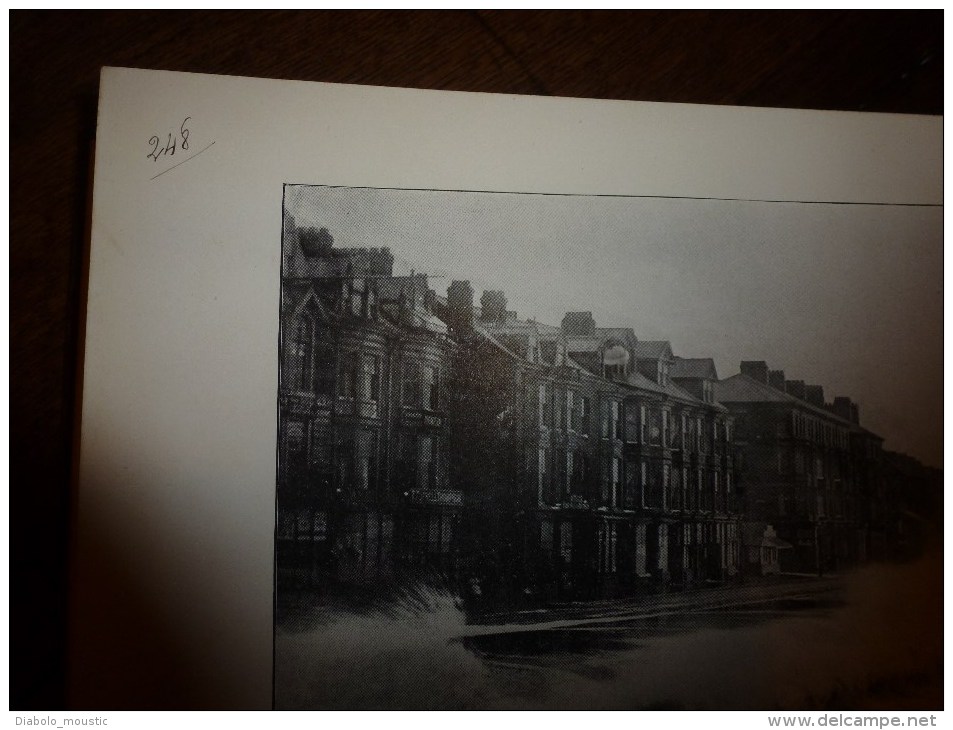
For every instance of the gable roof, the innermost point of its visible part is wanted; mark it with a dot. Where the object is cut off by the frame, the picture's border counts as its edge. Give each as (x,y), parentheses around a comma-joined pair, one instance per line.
(653,349)
(694,367)
(742,388)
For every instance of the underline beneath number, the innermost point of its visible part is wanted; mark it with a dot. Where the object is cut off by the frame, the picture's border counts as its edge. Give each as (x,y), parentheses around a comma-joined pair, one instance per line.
(183,161)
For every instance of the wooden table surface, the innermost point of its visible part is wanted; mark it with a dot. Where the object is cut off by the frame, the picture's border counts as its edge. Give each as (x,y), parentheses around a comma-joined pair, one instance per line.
(863,61)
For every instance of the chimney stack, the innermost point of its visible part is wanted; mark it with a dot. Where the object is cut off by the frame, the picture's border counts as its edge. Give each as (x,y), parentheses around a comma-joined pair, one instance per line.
(755,369)
(580,324)
(814,394)
(493,306)
(795,388)
(843,407)
(315,241)
(460,306)
(381,262)
(776,379)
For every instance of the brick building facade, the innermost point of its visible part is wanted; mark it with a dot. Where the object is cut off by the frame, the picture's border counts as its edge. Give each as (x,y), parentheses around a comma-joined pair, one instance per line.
(363,491)
(433,436)
(810,469)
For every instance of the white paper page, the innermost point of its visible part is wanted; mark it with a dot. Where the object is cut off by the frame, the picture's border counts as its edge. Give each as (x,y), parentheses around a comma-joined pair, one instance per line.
(176,491)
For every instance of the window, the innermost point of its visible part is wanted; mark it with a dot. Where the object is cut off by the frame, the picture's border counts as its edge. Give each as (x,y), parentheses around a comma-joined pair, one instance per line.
(345,461)
(665,431)
(324,365)
(580,471)
(666,484)
(572,415)
(557,410)
(546,536)
(412,384)
(321,448)
(406,466)
(631,423)
(295,445)
(431,386)
(631,497)
(559,474)
(616,481)
(608,537)
(542,484)
(356,297)
(542,405)
(428,455)
(569,471)
(365,460)
(655,432)
(301,354)
(644,482)
(565,541)
(616,420)
(347,375)
(684,440)
(374,372)
(585,407)
(643,415)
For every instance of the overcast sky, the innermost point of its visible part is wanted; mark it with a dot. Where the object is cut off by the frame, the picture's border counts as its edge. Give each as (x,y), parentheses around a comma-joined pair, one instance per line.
(845,296)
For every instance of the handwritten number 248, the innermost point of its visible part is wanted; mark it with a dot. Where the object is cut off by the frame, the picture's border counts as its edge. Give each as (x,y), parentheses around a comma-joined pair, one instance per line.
(158,149)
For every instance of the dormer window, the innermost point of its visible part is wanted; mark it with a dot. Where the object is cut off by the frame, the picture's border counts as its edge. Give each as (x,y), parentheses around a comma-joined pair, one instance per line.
(615,362)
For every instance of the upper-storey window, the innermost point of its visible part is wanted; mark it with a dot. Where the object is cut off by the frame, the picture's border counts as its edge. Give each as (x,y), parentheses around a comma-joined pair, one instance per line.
(542,403)
(347,375)
(374,373)
(631,423)
(542,475)
(301,353)
(356,297)
(295,449)
(431,384)
(655,432)
(616,420)
(585,410)
(572,414)
(412,385)
(324,370)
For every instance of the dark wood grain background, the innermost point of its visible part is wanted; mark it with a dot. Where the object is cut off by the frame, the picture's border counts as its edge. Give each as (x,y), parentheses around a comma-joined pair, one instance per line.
(861,61)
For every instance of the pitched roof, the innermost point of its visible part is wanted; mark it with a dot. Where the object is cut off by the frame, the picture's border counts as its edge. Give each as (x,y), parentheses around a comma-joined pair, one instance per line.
(617,333)
(742,388)
(694,367)
(653,349)
(583,344)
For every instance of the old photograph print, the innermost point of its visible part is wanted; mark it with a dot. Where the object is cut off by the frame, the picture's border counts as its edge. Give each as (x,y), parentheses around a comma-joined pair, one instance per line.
(598,452)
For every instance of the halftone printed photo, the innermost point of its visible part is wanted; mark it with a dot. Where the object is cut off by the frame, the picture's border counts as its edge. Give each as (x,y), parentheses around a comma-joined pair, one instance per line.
(607,452)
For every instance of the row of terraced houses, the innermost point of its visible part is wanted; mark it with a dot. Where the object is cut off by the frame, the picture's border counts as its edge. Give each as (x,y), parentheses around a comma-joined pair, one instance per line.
(427,436)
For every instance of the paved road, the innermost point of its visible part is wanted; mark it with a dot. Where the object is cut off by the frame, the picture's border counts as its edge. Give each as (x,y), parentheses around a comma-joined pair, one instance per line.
(590,613)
